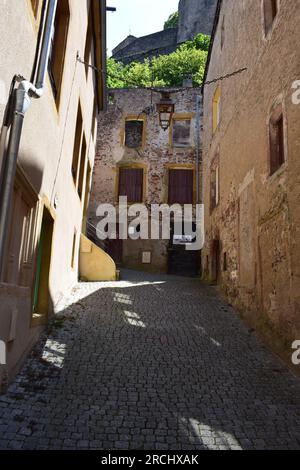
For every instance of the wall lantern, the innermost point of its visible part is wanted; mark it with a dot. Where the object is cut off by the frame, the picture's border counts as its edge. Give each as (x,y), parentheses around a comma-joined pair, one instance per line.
(165,109)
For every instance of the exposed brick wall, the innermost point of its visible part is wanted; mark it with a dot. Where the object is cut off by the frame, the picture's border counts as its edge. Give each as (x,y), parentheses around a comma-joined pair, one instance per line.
(155,155)
(257,220)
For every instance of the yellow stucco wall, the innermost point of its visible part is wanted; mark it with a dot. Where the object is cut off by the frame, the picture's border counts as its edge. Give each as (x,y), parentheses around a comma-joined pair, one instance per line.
(94,264)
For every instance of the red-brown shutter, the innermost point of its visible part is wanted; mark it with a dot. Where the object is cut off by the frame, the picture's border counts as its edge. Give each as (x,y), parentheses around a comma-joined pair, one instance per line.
(131,184)
(181,186)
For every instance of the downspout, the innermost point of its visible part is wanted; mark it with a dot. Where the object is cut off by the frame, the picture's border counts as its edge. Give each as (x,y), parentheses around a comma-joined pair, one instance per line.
(199,199)
(5,126)
(25,91)
(199,164)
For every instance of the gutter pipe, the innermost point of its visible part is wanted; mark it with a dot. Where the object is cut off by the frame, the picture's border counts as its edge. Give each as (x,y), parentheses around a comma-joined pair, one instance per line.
(23,94)
(198,150)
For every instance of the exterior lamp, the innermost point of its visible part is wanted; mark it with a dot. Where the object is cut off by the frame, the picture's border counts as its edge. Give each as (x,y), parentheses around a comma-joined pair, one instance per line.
(165,109)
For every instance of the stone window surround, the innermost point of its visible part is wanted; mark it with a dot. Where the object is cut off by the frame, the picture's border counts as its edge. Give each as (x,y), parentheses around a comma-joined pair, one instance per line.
(267,34)
(38,319)
(278,106)
(80,158)
(56,65)
(134,117)
(133,166)
(215,168)
(179,166)
(35,6)
(216,109)
(180,117)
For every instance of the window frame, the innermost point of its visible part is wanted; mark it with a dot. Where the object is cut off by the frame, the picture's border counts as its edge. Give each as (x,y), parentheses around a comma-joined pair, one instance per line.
(59,36)
(267,29)
(181,117)
(214,198)
(35,8)
(134,117)
(278,161)
(23,192)
(175,120)
(79,156)
(216,111)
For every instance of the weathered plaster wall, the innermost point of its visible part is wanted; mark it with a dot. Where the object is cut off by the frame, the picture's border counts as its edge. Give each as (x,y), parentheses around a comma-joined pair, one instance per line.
(46,149)
(156,155)
(257,220)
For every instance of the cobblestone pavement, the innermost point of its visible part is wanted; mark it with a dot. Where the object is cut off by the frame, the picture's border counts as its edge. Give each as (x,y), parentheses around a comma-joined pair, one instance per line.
(153,362)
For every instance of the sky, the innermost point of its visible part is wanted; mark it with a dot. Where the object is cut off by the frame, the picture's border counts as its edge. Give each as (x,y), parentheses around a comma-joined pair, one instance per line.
(136,17)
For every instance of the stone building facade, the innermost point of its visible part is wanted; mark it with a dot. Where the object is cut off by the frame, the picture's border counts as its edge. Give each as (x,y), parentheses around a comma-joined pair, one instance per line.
(195,16)
(130,138)
(251,144)
(54,166)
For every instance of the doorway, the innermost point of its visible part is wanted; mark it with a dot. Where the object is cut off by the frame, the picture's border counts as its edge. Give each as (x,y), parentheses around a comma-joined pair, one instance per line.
(41,294)
(183,262)
(115,247)
(215,268)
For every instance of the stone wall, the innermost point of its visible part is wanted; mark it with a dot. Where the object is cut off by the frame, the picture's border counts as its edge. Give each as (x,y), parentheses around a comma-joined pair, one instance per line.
(156,155)
(257,219)
(195,16)
(153,45)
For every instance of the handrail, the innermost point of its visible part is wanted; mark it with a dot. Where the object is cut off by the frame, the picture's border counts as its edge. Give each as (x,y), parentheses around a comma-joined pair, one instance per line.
(91,231)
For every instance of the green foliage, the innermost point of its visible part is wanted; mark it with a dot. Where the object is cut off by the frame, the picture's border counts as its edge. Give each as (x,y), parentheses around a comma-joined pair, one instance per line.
(163,71)
(115,74)
(172,21)
(200,42)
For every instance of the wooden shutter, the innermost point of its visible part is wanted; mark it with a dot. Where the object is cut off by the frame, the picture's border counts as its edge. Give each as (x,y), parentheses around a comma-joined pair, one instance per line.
(181,186)
(131,183)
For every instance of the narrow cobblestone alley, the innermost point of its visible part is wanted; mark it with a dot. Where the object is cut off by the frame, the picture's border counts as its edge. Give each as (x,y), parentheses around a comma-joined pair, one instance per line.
(151,362)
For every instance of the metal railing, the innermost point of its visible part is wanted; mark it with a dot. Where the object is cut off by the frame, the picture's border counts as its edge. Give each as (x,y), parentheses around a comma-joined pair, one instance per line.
(91,233)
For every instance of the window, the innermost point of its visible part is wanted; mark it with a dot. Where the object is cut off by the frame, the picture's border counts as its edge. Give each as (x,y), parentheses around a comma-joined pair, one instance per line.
(86,196)
(131,182)
(79,155)
(225,265)
(216,109)
(95,120)
(35,7)
(181,133)
(19,262)
(58,47)
(223,33)
(270,12)
(214,187)
(41,295)
(77,145)
(277,142)
(88,46)
(181,186)
(134,130)
(73,250)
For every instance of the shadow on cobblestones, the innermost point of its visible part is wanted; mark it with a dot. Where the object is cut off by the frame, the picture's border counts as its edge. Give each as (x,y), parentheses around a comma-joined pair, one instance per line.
(153,362)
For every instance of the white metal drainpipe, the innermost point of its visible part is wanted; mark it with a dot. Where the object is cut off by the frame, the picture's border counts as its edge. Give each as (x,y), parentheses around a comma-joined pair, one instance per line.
(25,91)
